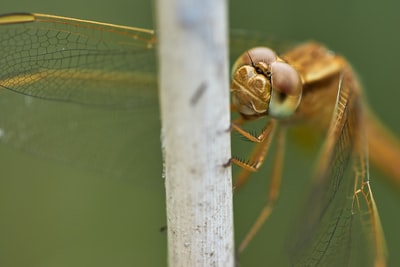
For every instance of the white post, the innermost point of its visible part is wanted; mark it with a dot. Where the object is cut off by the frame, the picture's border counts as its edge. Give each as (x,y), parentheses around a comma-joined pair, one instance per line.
(195,114)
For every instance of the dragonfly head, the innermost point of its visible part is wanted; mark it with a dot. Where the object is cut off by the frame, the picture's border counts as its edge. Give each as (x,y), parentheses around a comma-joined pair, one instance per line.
(263,84)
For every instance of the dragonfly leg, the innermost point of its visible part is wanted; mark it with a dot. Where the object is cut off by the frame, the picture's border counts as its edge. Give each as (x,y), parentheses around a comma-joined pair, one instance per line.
(258,155)
(272,195)
(266,131)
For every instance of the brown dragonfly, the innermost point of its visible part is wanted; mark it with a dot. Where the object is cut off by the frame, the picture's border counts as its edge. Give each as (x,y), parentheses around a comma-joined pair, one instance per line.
(312,85)
(71,62)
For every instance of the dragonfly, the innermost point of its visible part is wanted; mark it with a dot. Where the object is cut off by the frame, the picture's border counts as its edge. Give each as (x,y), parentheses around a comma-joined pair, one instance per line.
(72,63)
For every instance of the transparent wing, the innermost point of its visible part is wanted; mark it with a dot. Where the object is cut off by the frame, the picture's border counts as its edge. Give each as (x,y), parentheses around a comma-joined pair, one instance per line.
(105,74)
(339,225)
(106,71)
(85,62)
(77,61)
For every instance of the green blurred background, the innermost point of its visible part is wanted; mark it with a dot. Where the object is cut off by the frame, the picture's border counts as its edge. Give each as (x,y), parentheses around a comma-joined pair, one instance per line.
(53,214)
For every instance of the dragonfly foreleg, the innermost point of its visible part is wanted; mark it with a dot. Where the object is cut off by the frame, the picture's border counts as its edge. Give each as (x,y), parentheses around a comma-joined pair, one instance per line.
(272,194)
(258,155)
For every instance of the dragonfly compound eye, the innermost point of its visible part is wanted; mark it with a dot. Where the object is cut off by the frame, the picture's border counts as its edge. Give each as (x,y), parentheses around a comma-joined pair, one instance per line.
(286,90)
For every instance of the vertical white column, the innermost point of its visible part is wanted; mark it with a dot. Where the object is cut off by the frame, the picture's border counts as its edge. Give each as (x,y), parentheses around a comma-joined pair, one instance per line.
(194,93)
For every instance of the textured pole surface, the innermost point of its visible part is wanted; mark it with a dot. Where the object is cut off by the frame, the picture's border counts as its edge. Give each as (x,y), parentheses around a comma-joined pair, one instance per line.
(194,95)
